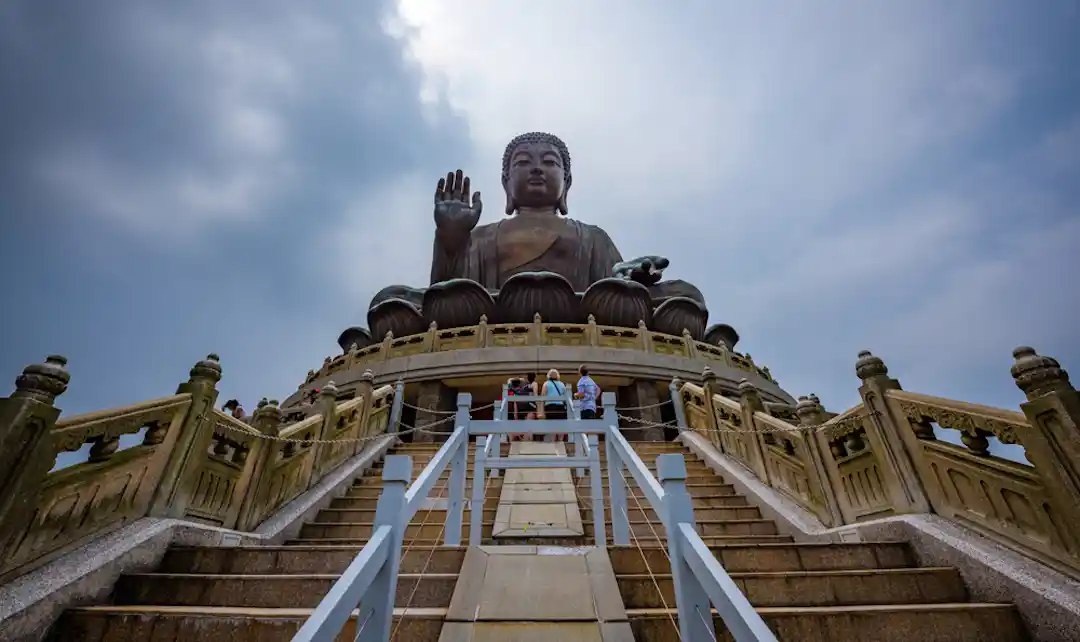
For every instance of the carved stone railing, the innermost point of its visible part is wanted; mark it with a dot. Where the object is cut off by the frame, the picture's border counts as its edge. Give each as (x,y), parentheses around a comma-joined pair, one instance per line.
(853,468)
(112,488)
(1005,500)
(188,460)
(884,456)
(537,333)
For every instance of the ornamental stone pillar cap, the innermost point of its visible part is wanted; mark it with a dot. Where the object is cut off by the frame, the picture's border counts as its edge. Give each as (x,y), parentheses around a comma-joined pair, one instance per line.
(44,381)
(367,376)
(707,375)
(208,369)
(807,405)
(745,387)
(869,366)
(1036,374)
(328,390)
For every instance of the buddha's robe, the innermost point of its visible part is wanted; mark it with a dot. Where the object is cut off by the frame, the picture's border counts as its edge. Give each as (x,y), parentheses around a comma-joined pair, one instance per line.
(580,252)
(492,253)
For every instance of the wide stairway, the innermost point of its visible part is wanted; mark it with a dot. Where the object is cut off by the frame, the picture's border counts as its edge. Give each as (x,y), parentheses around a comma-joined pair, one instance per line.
(867,591)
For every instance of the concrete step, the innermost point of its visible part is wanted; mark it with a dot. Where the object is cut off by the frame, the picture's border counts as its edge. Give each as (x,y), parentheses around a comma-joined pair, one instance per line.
(368,515)
(431,530)
(491,501)
(814,588)
(775,557)
(267,591)
(361,490)
(647,541)
(265,560)
(961,622)
(434,528)
(635,500)
(696,489)
(220,624)
(644,513)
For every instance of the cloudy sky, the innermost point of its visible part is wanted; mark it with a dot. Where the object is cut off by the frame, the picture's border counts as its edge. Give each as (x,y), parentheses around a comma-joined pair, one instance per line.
(182,178)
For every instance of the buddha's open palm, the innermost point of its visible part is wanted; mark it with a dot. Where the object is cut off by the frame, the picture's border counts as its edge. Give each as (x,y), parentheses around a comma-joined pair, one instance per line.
(453,211)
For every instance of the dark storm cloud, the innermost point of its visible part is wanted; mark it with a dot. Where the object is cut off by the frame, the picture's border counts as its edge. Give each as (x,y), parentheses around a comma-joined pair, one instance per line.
(166,169)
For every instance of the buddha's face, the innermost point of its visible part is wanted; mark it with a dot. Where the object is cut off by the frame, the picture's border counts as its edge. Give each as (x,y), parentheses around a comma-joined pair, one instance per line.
(536,176)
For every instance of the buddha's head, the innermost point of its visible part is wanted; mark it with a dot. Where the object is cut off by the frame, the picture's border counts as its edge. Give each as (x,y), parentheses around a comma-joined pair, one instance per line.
(536,172)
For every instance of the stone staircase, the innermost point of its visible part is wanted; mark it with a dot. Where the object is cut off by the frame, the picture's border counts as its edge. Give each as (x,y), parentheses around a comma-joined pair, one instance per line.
(215,594)
(804,591)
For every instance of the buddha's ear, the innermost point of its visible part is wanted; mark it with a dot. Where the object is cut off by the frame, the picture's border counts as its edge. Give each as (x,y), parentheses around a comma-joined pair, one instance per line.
(511,206)
(563,209)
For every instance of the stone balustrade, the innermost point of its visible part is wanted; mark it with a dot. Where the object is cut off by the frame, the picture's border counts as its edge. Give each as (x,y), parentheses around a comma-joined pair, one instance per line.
(885,456)
(193,462)
(537,333)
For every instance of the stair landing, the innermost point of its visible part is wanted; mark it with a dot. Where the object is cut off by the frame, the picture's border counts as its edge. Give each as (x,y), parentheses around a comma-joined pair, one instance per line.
(537,593)
(537,502)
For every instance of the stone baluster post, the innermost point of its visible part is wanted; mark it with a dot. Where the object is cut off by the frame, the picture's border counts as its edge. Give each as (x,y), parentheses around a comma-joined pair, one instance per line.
(1052,444)
(691,347)
(365,388)
(267,420)
(189,450)
(482,332)
(387,341)
(592,332)
(395,410)
(890,437)
(749,403)
(536,332)
(327,407)
(812,414)
(26,452)
(431,338)
(645,336)
(708,384)
(675,391)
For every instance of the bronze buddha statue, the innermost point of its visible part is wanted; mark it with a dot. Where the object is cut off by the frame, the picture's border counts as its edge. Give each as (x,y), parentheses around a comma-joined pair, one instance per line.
(537,248)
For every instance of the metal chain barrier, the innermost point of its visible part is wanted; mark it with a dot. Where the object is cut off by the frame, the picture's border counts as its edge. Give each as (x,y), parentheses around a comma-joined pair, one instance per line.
(755,429)
(648,407)
(352,440)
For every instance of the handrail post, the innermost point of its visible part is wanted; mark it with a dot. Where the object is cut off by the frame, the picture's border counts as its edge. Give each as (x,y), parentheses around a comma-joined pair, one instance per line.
(390,510)
(502,412)
(476,508)
(620,521)
(395,410)
(695,614)
(460,460)
(677,403)
(597,487)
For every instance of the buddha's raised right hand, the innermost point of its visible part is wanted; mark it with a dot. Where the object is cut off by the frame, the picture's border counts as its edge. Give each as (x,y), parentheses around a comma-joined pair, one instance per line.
(454,215)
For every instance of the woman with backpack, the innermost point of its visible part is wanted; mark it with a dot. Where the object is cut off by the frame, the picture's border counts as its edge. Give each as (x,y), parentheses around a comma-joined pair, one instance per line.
(553,387)
(515,387)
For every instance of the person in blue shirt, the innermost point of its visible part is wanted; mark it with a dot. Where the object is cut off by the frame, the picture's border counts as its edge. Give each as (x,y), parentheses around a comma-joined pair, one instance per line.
(553,387)
(588,392)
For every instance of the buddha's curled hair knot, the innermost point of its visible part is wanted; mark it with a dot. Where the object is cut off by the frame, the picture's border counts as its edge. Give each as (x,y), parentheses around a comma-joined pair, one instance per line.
(538,137)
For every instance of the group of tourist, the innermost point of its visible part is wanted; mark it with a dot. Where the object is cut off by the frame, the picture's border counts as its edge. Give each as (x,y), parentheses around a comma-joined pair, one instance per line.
(552,388)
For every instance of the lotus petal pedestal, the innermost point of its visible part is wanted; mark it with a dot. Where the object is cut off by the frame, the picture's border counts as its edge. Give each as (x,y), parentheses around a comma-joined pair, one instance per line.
(618,302)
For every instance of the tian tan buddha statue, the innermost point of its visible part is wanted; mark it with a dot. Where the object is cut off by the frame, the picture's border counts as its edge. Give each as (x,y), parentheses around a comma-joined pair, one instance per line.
(534,261)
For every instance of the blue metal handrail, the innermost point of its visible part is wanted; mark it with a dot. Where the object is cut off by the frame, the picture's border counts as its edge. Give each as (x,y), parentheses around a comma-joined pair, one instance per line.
(700,581)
